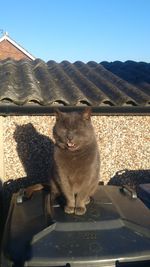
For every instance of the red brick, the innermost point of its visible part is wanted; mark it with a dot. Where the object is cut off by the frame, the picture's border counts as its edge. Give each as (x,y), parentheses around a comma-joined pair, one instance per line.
(8,50)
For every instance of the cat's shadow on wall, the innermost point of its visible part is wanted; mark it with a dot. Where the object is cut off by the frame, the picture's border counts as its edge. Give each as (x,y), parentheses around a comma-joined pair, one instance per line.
(35,152)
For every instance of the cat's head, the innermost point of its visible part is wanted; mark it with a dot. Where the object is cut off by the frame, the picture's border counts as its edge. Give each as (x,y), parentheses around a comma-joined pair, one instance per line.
(73,131)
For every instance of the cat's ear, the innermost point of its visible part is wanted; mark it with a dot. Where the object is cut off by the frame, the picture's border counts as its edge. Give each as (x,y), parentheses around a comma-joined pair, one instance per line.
(87,113)
(58,114)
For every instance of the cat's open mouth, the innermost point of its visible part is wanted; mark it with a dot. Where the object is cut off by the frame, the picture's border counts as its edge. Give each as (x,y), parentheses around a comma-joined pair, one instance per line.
(71,146)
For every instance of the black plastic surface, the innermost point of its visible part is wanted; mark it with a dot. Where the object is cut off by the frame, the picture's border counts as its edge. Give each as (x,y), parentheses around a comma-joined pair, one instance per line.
(115,230)
(144,194)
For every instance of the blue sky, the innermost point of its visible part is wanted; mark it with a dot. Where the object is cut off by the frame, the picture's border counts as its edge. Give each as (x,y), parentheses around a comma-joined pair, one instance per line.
(80,29)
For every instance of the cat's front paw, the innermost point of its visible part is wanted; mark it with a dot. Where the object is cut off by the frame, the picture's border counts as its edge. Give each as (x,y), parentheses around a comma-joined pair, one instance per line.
(69,210)
(80,210)
(87,201)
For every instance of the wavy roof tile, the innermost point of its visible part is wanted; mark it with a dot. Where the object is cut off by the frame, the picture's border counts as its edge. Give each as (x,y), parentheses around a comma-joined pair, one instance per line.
(43,84)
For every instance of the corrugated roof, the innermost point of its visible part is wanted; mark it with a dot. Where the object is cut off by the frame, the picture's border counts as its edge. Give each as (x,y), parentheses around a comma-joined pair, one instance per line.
(114,84)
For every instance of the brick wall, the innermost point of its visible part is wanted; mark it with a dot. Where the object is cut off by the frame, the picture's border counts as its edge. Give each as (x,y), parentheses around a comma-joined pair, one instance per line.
(8,50)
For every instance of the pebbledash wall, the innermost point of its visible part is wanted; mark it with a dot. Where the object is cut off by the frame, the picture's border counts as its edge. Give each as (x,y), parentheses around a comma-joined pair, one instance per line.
(26,145)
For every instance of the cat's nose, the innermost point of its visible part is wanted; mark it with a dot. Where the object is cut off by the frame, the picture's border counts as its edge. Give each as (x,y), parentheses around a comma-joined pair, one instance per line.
(69,137)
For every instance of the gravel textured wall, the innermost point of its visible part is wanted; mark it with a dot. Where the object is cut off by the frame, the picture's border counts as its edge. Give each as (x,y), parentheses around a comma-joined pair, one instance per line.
(124,143)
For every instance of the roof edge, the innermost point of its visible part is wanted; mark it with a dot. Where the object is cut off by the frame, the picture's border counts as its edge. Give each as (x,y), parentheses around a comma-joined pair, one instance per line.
(9,39)
(36,110)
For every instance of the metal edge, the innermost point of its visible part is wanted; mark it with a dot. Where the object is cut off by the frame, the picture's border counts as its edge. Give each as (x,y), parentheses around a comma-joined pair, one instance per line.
(37,110)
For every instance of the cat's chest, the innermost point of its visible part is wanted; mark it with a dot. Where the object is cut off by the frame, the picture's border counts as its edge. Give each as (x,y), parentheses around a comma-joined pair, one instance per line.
(72,171)
(69,164)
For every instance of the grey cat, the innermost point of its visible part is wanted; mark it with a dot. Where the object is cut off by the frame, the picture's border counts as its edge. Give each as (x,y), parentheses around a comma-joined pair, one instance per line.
(76,159)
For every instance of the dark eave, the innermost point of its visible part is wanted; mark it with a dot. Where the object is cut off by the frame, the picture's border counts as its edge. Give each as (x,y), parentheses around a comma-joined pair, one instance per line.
(36,110)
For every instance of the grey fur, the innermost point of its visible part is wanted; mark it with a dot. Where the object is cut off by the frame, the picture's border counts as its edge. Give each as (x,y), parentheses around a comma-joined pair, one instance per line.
(76,159)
